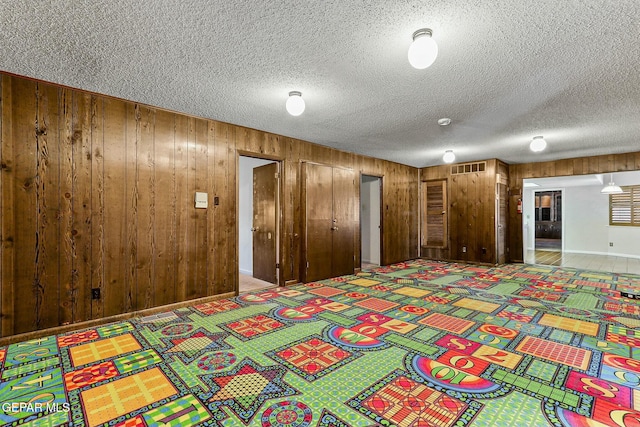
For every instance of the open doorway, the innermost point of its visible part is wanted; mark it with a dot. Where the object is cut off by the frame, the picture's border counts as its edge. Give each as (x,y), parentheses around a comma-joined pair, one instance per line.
(370,221)
(590,238)
(548,220)
(258,224)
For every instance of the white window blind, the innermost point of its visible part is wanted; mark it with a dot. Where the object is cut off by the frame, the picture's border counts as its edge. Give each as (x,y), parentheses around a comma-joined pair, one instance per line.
(624,208)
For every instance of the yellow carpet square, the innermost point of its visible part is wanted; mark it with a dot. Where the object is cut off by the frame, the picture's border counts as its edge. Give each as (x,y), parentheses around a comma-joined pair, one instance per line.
(573,325)
(120,397)
(473,304)
(411,292)
(103,349)
(364,282)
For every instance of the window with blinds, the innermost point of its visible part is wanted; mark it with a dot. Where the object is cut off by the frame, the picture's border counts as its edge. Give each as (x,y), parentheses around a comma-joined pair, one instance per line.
(624,208)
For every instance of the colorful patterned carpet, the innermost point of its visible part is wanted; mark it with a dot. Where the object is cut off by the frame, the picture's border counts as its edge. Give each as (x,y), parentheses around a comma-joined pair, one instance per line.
(419,343)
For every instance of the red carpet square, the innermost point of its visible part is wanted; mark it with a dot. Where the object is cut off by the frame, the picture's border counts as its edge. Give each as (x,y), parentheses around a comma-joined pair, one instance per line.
(555,352)
(447,323)
(407,403)
(376,304)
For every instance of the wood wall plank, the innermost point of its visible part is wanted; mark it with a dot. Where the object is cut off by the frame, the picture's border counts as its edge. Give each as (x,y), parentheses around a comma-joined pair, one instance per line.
(201,137)
(23,121)
(115,297)
(165,269)
(7,208)
(107,186)
(81,231)
(47,275)
(230,212)
(182,209)
(98,232)
(67,278)
(211,212)
(221,132)
(146,250)
(131,170)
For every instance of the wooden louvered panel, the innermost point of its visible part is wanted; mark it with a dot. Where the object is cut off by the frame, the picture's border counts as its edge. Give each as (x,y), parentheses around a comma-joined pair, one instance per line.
(434,214)
(624,208)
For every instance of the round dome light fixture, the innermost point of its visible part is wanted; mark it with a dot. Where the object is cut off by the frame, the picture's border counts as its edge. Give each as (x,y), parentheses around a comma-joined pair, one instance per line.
(538,144)
(423,50)
(445,121)
(449,157)
(295,104)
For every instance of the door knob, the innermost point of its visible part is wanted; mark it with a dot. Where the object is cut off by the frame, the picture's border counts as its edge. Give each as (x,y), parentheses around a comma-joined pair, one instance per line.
(254,228)
(334,228)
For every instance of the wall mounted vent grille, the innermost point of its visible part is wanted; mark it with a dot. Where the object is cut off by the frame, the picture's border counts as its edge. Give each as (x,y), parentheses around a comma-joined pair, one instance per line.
(468,168)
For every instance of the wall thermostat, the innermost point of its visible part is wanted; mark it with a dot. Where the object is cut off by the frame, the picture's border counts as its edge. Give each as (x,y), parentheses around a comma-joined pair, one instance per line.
(202,200)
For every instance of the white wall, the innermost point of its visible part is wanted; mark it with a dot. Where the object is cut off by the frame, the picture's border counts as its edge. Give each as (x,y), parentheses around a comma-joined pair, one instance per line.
(585,219)
(245,211)
(370,219)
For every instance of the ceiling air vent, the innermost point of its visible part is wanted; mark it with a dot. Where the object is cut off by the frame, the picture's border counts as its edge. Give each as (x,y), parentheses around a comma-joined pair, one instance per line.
(468,168)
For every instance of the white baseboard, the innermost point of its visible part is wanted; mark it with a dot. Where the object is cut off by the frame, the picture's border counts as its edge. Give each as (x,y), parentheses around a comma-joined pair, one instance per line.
(247,272)
(602,253)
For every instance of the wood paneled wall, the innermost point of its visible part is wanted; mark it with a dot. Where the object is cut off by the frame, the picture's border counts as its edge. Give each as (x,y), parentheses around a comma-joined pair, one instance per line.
(98,193)
(565,167)
(471,214)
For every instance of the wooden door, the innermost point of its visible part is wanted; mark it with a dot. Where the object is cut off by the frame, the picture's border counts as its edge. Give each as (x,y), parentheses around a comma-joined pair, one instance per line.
(343,227)
(434,214)
(318,239)
(265,194)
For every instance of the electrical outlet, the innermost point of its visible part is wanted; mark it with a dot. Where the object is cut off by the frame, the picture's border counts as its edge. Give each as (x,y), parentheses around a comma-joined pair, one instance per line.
(464,249)
(610,243)
(95,293)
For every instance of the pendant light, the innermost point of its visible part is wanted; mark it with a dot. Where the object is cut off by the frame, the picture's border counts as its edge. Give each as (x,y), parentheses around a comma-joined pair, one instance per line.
(424,50)
(611,188)
(295,104)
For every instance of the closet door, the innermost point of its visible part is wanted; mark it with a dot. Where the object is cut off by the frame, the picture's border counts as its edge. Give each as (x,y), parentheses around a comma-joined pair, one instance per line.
(329,220)
(318,196)
(344,221)
(434,214)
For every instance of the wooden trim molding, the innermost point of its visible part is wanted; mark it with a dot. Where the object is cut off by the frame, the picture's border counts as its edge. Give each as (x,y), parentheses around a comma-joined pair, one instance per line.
(103,321)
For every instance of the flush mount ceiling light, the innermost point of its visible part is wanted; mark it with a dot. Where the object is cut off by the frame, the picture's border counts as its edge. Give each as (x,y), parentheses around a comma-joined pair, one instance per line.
(538,144)
(424,50)
(611,188)
(445,121)
(295,104)
(448,157)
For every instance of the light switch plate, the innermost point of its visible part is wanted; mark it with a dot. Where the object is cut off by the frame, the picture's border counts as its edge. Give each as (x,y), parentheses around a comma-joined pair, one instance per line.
(202,200)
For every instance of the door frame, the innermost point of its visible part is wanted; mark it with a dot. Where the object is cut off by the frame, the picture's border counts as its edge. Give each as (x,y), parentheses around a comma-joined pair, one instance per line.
(381,179)
(533,204)
(280,217)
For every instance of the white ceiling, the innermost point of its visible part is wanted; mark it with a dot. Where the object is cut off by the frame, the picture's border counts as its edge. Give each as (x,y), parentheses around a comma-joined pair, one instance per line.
(507,70)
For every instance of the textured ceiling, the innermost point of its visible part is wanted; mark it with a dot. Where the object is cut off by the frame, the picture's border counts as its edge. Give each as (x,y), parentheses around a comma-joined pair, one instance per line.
(507,70)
